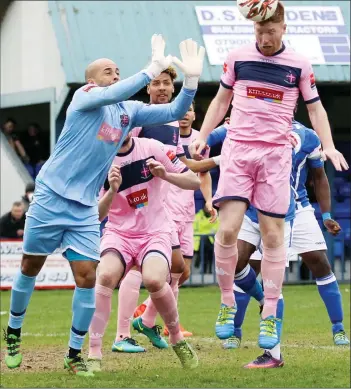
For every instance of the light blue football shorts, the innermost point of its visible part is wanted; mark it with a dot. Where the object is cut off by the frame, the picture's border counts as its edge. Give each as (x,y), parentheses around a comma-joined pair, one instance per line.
(55,222)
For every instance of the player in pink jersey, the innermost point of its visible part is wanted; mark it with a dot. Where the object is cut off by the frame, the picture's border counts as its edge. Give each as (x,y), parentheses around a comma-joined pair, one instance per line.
(160,91)
(138,233)
(266,78)
(182,204)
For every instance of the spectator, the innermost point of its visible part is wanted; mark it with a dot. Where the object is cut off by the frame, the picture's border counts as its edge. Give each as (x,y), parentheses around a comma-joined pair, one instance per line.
(37,148)
(202,226)
(28,196)
(8,129)
(12,223)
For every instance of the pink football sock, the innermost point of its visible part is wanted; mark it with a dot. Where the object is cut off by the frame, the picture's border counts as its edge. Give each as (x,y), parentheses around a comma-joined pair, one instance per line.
(272,270)
(226,261)
(128,296)
(166,305)
(150,313)
(100,319)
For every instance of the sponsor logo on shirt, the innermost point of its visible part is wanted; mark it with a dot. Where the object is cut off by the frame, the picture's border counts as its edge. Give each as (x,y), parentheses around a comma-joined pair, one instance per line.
(290,79)
(225,67)
(171,155)
(312,81)
(271,95)
(138,199)
(109,134)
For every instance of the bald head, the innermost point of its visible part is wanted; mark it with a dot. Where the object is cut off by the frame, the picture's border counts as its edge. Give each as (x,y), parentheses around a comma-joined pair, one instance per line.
(102,72)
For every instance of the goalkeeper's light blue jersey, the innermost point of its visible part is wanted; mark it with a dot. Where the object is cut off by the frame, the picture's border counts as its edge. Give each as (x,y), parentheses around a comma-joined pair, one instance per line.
(97,122)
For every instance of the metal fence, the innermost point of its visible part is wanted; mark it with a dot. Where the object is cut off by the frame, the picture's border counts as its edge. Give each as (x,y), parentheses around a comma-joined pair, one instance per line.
(203,265)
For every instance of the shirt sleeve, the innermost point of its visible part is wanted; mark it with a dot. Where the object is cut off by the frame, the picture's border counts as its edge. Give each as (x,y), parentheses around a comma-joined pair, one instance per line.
(217,136)
(92,96)
(154,114)
(136,131)
(180,149)
(314,158)
(228,75)
(307,84)
(168,159)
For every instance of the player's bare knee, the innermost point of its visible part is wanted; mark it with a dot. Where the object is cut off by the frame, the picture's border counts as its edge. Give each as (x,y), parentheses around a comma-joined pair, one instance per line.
(31,265)
(178,264)
(153,282)
(106,279)
(84,273)
(227,235)
(273,239)
(186,274)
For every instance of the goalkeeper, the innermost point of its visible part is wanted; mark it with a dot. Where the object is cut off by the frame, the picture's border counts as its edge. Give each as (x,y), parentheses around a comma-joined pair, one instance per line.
(64,211)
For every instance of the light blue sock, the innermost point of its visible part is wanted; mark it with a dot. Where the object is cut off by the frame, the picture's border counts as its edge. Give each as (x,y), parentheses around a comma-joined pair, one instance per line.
(22,289)
(83,307)
(328,289)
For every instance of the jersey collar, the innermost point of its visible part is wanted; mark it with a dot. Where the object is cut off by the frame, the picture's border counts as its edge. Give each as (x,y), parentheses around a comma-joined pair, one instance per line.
(127,152)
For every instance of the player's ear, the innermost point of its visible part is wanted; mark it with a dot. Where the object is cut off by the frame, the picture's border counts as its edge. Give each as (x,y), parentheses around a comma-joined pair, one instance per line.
(284,28)
(173,88)
(148,89)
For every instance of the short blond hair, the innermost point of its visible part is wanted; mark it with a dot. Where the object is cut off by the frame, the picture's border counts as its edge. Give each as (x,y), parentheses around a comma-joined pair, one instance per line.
(171,72)
(277,17)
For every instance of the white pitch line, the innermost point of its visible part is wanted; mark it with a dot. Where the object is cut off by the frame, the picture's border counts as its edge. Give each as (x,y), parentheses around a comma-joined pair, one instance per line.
(204,340)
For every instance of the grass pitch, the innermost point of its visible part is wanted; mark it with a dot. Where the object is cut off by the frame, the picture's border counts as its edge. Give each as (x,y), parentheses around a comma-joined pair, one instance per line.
(311,359)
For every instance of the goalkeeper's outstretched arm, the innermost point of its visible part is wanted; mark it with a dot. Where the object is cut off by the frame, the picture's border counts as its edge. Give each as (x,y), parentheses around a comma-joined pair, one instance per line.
(93,96)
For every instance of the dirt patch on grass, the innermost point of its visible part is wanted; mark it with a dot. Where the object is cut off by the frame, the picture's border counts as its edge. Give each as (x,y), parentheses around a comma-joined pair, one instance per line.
(40,359)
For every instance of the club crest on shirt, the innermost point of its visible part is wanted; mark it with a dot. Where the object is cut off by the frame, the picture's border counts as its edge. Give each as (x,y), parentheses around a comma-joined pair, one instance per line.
(145,172)
(109,134)
(290,79)
(124,118)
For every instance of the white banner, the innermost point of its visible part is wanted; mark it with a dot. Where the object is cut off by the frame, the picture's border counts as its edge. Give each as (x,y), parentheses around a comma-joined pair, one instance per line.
(56,272)
(319,33)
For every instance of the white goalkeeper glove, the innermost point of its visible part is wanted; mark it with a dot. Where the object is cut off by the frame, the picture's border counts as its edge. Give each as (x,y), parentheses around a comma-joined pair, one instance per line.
(159,62)
(191,64)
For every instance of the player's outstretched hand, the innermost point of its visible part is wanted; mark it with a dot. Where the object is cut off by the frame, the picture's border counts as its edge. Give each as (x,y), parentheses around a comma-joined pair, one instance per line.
(158,62)
(336,158)
(115,178)
(192,62)
(156,168)
(212,211)
(197,149)
(332,226)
